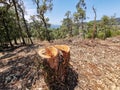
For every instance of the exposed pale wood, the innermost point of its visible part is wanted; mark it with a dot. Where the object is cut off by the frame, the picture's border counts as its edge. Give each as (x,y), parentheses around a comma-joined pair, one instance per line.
(49,54)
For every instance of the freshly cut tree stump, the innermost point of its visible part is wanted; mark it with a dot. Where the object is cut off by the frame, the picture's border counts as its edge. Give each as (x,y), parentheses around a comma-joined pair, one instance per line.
(55,62)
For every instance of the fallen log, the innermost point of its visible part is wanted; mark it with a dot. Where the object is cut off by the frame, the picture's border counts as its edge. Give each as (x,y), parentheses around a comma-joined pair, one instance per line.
(55,62)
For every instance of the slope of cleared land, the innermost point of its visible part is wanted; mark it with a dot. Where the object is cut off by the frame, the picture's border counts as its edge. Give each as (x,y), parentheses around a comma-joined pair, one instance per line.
(95,65)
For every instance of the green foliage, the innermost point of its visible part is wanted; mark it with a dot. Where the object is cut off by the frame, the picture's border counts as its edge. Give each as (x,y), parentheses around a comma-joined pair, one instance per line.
(115,32)
(75,32)
(67,24)
(88,35)
(42,7)
(108,34)
(72,24)
(7,18)
(80,15)
(101,35)
(105,28)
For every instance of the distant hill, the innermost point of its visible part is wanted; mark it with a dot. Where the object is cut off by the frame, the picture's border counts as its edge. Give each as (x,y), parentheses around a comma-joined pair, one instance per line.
(118,20)
(55,26)
(58,26)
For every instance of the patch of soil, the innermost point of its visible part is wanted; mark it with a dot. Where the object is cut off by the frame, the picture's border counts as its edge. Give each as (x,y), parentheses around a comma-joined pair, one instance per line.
(95,64)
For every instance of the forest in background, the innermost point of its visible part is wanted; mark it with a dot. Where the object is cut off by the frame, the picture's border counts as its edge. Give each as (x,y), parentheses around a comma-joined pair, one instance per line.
(15,29)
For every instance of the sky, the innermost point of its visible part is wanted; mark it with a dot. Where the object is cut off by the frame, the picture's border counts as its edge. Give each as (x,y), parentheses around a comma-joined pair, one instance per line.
(60,7)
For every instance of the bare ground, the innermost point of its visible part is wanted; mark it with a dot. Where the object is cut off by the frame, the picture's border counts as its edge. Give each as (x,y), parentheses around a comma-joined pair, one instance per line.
(94,65)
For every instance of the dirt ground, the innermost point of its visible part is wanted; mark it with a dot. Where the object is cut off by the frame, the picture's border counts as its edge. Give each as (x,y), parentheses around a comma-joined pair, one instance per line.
(94,65)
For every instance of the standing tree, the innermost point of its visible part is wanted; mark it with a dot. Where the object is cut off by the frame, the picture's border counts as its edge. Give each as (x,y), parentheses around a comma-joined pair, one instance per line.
(68,22)
(94,26)
(42,7)
(15,2)
(4,17)
(22,10)
(105,22)
(80,15)
(36,26)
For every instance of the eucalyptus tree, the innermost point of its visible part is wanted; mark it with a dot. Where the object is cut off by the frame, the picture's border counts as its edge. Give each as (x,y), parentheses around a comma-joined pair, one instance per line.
(21,9)
(80,15)
(105,22)
(15,4)
(36,27)
(4,19)
(68,22)
(42,7)
(94,26)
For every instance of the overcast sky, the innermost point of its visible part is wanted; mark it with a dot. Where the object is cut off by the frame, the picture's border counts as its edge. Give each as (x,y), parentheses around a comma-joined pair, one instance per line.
(60,7)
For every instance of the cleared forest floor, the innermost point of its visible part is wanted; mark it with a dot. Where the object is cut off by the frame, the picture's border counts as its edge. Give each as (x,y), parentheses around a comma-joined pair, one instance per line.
(95,65)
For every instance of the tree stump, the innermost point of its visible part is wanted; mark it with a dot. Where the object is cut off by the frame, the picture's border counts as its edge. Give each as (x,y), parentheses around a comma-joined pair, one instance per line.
(55,62)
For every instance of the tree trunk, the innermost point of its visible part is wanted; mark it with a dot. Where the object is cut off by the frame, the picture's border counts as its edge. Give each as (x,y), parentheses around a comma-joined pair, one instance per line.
(37,29)
(94,26)
(83,28)
(1,43)
(27,30)
(55,62)
(14,3)
(15,41)
(71,31)
(47,34)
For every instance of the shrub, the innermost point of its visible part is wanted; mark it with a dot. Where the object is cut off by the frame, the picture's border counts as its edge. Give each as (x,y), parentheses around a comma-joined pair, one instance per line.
(101,35)
(88,35)
(115,32)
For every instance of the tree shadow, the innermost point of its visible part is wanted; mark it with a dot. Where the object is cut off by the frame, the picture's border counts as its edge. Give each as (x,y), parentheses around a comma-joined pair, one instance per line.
(23,72)
(70,82)
(11,52)
(21,75)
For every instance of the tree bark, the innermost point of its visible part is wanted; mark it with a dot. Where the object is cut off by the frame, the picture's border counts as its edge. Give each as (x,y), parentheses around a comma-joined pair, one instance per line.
(47,34)
(17,16)
(71,31)
(55,61)
(15,41)
(94,26)
(83,28)
(36,26)
(27,30)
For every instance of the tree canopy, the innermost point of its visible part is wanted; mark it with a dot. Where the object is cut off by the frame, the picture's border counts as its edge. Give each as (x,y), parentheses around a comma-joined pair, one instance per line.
(15,29)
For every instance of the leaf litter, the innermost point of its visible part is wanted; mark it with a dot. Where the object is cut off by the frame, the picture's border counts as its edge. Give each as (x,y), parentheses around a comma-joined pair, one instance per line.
(94,65)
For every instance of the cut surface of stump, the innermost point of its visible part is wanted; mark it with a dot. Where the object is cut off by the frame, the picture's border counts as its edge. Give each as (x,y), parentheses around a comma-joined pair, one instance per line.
(49,54)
